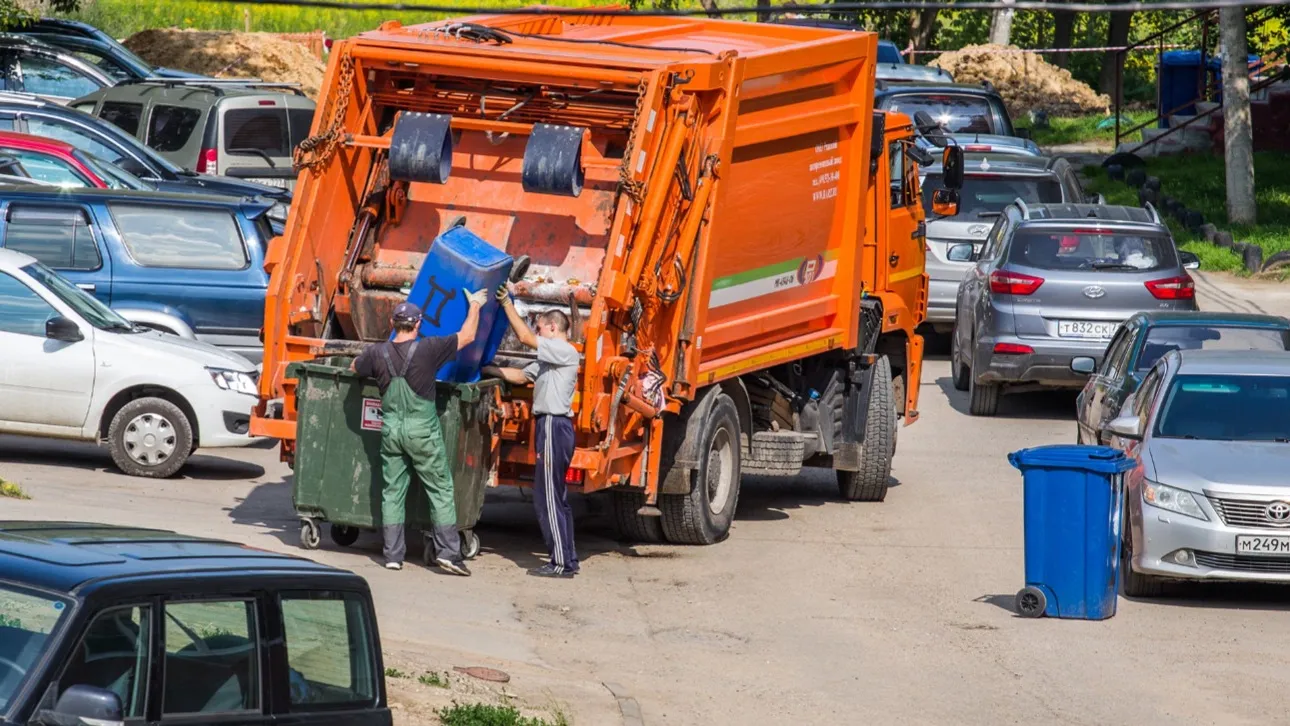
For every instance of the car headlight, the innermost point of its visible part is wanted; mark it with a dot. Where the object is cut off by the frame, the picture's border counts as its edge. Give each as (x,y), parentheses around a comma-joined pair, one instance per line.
(1171,499)
(278,212)
(234,381)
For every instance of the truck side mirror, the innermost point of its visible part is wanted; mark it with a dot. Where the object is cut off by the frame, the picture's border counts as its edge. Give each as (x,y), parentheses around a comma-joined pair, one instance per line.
(952,167)
(945,203)
(877,140)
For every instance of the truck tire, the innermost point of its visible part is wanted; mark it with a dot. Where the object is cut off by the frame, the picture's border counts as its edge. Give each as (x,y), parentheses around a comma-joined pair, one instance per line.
(959,371)
(870,483)
(705,514)
(150,437)
(630,526)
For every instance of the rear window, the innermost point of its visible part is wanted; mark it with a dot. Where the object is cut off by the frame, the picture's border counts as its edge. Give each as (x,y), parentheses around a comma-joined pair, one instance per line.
(957,113)
(124,115)
(1099,250)
(170,127)
(1162,339)
(188,238)
(252,131)
(986,196)
(57,236)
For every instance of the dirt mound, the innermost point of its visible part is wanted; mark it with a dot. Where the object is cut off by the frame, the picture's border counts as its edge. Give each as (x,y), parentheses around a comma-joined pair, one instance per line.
(231,55)
(1026,81)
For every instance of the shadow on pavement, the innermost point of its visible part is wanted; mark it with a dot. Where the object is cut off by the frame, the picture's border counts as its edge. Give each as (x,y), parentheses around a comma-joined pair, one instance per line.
(268,507)
(1221,596)
(769,498)
(91,457)
(1003,602)
(1054,405)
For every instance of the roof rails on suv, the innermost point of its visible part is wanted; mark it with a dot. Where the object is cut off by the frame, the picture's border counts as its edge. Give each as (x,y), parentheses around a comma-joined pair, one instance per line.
(1092,212)
(216,84)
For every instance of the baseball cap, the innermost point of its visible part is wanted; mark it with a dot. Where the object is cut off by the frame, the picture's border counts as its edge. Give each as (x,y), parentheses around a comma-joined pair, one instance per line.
(407,312)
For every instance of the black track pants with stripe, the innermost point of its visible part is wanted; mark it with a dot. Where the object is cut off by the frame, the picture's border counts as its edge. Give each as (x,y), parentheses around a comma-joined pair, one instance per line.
(550,495)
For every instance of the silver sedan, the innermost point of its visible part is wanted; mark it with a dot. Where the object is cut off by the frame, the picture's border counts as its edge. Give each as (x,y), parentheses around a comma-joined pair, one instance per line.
(1209,498)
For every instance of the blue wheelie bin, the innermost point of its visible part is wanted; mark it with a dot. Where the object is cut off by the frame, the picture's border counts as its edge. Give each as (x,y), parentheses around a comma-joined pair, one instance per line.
(1179,76)
(1073,499)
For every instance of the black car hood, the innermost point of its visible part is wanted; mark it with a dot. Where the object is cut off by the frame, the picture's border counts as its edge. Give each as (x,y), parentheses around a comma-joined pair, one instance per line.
(206,184)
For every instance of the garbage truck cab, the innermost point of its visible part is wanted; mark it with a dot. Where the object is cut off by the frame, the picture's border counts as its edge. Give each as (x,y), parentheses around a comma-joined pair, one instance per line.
(735,232)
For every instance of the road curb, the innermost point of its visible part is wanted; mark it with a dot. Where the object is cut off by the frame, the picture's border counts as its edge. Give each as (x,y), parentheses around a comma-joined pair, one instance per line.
(630,709)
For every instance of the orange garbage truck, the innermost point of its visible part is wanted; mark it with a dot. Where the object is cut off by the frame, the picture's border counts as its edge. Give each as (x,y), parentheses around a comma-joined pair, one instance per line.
(735,232)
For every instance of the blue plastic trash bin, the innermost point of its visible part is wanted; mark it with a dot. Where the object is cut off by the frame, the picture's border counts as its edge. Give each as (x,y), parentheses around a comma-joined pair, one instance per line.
(1073,497)
(1178,77)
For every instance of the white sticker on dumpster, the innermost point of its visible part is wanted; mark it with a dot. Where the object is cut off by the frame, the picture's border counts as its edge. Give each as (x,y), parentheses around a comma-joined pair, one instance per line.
(371,414)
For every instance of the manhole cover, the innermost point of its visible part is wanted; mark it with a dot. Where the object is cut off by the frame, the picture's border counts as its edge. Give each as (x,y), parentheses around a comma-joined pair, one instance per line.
(484,674)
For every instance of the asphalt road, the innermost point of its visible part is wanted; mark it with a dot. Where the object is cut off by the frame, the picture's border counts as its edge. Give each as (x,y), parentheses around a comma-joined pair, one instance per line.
(814,611)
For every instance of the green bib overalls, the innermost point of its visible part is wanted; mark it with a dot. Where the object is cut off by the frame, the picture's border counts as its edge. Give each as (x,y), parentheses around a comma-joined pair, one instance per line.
(411,440)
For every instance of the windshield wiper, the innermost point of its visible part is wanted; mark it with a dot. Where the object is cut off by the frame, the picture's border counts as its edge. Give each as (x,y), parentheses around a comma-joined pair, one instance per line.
(987,215)
(123,327)
(257,152)
(1111,266)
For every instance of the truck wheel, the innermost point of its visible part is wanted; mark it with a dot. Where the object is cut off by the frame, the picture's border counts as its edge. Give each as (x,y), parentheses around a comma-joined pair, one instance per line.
(870,483)
(704,515)
(150,437)
(959,371)
(342,535)
(632,527)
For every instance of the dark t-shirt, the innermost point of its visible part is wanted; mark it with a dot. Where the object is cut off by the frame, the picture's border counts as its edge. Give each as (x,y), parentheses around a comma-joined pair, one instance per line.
(432,353)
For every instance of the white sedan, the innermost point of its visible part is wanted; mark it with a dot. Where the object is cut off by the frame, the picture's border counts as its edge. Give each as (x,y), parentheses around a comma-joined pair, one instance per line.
(72,368)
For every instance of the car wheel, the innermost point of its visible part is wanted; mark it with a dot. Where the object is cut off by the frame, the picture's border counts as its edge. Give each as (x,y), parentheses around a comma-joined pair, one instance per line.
(150,437)
(983,398)
(1136,584)
(959,371)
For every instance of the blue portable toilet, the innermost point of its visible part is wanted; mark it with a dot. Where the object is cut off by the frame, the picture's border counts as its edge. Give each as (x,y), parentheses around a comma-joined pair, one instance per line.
(1073,500)
(1179,76)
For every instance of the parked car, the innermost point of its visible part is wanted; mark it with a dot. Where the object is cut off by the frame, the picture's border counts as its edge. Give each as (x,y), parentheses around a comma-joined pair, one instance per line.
(1208,497)
(1144,339)
(213,127)
(981,144)
(111,58)
(903,72)
(990,183)
(53,162)
(111,625)
(31,66)
(75,369)
(61,28)
(957,107)
(28,114)
(1053,283)
(187,264)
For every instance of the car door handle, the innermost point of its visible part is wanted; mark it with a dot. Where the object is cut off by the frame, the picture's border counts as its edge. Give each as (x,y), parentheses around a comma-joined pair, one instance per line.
(87,286)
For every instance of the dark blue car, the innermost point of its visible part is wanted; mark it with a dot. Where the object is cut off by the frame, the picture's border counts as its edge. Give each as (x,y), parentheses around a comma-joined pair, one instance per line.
(112,625)
(188,264)
(959,108)
(1145,338)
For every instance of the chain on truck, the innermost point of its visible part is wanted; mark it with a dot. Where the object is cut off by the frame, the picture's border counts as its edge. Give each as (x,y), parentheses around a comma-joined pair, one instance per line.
(736,234)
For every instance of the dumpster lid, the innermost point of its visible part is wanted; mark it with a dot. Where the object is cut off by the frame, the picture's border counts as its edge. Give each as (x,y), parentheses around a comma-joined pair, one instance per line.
(1099,459)
(1180,58)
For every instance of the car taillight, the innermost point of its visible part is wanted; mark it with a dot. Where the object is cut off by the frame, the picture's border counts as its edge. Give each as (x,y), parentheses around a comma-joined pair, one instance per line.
(208,162)
(1172,288)
(573,476)
(1013,283)
(978,147)
(1013,349)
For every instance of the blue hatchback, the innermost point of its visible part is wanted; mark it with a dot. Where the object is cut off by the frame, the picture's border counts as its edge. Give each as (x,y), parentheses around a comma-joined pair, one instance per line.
(188,264)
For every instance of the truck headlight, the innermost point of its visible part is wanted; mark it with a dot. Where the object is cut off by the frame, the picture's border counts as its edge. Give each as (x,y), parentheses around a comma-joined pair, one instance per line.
(234,381)
(1171,499)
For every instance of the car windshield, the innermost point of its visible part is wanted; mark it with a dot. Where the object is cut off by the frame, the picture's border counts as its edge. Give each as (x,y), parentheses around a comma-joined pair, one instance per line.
(115,177)
(986,196)
(1228,407)
(27,621)
(955,112)
(1093,249)
(85,305)
(1164,338)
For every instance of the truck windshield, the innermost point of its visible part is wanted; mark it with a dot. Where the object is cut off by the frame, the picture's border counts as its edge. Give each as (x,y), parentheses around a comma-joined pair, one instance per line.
(1226,408)
(86,305)
(955,112)
(988,194)
(27,622)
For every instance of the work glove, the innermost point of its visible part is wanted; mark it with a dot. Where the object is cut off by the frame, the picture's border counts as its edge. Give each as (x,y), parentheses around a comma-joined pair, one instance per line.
(476,298)
(502,294)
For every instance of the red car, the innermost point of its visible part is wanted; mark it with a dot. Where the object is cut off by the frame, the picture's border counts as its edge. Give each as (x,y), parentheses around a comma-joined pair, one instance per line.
(49,161)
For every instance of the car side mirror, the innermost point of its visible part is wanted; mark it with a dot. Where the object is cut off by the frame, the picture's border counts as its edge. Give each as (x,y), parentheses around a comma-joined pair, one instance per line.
(1189,260)
(1083,365)
(945,202)
(963,252)
(134,167)
(60,328)
(1126,427)
(80,705)
(952,167)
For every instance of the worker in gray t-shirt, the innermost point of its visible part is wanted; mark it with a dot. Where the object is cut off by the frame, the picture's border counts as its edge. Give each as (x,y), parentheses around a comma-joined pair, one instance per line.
(554,376)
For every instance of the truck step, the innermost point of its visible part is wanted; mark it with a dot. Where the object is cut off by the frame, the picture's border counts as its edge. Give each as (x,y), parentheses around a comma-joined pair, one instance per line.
(773,453)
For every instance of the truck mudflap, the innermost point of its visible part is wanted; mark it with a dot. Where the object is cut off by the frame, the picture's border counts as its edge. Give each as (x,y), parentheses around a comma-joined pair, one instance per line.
(855,417)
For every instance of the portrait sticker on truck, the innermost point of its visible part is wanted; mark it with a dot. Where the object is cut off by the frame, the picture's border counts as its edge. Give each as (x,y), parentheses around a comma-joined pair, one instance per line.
(371,420)
(772,279)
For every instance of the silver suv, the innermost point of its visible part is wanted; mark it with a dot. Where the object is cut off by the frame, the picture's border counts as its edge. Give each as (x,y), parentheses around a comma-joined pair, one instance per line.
(990,183)
(1053,282)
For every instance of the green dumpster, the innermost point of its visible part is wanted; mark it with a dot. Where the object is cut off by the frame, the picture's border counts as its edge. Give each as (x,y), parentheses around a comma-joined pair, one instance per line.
(338,441)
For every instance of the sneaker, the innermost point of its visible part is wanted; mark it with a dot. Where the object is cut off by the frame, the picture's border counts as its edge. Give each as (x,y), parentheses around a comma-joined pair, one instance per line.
(394,565)
(550,570)
(456,568)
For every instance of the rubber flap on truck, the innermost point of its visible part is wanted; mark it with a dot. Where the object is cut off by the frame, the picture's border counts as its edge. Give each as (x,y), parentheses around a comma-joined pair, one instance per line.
(553,160)
(421,147)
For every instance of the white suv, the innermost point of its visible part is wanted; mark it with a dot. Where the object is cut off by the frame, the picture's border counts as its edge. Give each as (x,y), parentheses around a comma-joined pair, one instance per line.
(72,368)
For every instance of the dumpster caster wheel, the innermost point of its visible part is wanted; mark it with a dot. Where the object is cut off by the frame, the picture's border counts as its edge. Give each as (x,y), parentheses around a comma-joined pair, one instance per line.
(310,534)
(1031,602)
(342,535)
(469,544)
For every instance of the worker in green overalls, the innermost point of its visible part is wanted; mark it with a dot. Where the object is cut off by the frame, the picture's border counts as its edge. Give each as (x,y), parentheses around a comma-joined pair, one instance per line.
(411,439)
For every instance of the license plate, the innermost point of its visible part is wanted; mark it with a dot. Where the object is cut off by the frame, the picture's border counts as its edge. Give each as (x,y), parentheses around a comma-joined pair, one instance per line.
(279,183)
(1085,329)
(1262,545)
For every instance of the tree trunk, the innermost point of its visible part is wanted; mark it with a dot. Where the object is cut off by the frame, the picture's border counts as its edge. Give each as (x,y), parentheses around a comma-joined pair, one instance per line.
(710,6)
(1238,131)
(1117,36)
(922,30)
(1063,35)
(1001,25)
(763,10)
